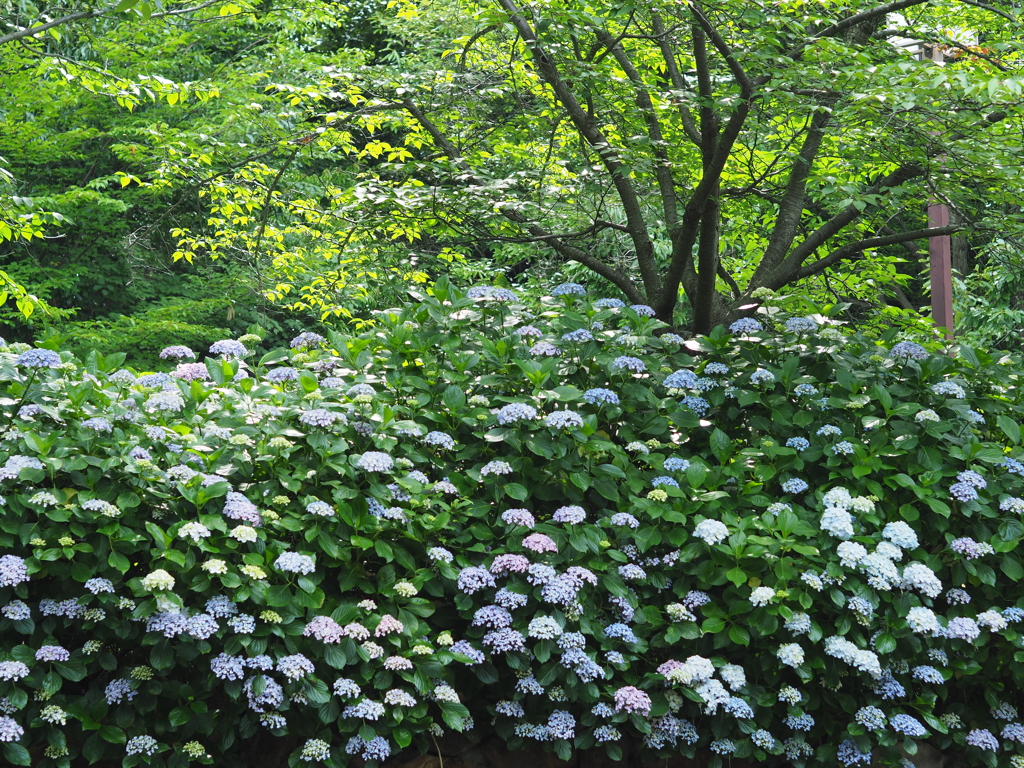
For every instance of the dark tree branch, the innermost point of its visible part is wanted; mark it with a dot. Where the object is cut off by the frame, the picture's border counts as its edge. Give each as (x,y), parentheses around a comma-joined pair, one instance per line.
(680,269)
(588,127)
(850,249)
(990,9)
(724,274)
(18,34)
(791,206)
(872,13)
(737,70)
(469,43)
(676,78)
(662,168)
(567,251)
(784,273)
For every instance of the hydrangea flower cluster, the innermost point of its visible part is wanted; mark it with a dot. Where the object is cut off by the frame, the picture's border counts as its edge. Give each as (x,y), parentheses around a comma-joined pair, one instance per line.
(458,538)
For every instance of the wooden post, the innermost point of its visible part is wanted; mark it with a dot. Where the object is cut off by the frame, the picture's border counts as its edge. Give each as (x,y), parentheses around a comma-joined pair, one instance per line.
(940,253)
(941,269)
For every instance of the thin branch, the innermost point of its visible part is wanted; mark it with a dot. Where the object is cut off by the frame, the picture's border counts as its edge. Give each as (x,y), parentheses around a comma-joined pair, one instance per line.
(18,34)
(662,168)
(872,13)
(676,77)
(872,242)
(738,72)
(791,206)
(724,274)
(990,9)
(616,276)
(589,129)
(32,31)
(782,274)
(469,44)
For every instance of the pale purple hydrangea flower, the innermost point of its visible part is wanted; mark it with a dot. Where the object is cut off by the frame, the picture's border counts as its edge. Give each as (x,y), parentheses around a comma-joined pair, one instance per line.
(632,700)
(13,571)
(473,578)
(38,358)
(539,542)
(518,517)
(52,653)
(177,352)
(228,348)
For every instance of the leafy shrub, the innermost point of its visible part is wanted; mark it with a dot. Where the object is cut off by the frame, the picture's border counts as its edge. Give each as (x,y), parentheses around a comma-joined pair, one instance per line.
(545,521)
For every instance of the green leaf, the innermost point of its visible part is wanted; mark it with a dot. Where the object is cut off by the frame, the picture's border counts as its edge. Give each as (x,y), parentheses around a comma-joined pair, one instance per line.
(736,576)
(885,643)
(739,635)
(119,562)
(713,625)
(517,491)
(1010,428)
(16,754)
(721,445)
(1012,567)
(454,398)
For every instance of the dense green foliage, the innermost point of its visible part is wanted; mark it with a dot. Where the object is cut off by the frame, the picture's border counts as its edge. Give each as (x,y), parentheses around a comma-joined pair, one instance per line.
(740,543)
(321,158)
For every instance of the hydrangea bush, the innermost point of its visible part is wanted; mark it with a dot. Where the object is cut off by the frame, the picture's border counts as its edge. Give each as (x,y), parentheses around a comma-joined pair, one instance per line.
(551,524)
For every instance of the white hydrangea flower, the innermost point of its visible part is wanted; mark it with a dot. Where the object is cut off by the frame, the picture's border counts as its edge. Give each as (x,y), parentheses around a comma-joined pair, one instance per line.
(712,531)
(158,580)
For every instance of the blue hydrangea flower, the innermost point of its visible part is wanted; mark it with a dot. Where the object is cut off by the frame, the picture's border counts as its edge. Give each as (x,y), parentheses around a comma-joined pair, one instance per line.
(681,379)
(698,405)
(307,339)
(800,443)
(621,632)
(795,485)
(624,519)
(963,492)
(569,289)
(673,464)
(609,304)
(564,420)
(282,374)
(177,352)
(907,725)
(801,325)
(439,440)
(642,309)
(38,358)
(850,754)
(600,396)
(624,362)
(745,325)
(228,348)
(513,412)
(579,336)
(908,349)
(949,389)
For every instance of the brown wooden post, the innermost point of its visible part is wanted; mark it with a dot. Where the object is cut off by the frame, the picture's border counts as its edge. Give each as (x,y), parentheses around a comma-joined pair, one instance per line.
(940,253)
(941,269)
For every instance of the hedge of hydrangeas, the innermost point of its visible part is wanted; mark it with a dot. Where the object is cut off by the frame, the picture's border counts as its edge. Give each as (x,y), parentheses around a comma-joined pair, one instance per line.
(553,523)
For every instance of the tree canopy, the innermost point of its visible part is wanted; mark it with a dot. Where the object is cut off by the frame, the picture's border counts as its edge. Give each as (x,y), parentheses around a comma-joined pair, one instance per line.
(709,148)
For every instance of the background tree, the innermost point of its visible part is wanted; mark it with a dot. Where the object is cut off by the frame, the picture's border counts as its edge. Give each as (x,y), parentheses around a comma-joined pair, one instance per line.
(778,141)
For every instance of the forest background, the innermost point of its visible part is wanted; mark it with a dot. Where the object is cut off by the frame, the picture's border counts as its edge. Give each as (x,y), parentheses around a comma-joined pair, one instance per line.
(179,172)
